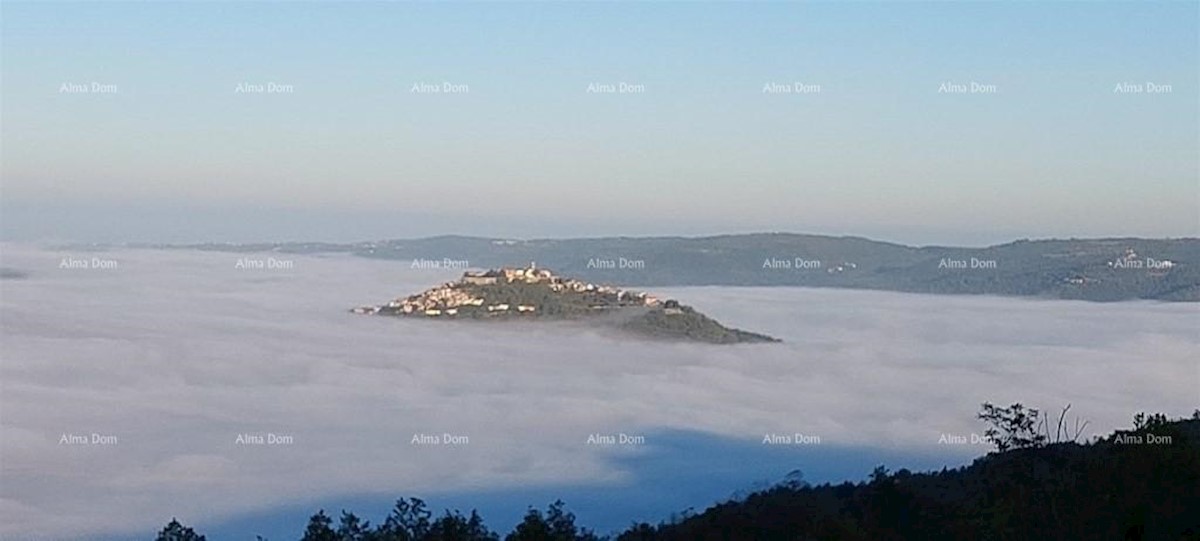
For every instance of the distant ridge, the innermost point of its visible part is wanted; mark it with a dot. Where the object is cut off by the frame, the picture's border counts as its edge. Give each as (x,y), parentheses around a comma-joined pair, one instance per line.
(1107,269)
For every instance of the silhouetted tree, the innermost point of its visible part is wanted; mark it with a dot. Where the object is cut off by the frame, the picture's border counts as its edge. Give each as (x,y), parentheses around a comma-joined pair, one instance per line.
(532,528)
(794,480)
(557,524)
(174,531)
(1014,427)
(455,527)
(350,528)
(879,474)
(320,528)
(408,521)
(639,531)
(1142,421)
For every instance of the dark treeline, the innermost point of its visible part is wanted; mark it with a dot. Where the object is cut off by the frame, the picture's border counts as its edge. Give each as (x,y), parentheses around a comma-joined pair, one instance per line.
(1040,483)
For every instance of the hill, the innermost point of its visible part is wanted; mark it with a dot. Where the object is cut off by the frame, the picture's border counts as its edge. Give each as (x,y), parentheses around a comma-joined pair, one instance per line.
(537,293)
(1112,269)
(1134,484)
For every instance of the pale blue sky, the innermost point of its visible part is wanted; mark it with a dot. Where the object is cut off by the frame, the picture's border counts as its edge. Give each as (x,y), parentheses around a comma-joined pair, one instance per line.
(176,154)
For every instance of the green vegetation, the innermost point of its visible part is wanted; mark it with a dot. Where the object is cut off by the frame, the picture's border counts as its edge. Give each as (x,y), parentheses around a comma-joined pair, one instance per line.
(689,324)
(1142,483)
(562,304)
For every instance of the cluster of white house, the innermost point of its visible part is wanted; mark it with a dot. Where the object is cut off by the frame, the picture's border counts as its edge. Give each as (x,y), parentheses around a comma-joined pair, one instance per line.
(842,268)
(1131,261)
(1128,260)
(448,298)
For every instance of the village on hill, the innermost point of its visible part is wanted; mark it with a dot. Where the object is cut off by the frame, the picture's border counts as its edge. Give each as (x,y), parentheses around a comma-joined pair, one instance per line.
(533,292)
(518,291)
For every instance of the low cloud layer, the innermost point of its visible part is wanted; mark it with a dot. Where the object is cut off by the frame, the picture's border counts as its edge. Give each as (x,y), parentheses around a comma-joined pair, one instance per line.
(177,353)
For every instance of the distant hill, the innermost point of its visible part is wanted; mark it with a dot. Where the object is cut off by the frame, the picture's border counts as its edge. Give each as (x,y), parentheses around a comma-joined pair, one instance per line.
(1087,269)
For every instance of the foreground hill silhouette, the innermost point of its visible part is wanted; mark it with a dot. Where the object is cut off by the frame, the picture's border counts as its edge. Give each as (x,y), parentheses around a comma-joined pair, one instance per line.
(1139,484)
(1142,483)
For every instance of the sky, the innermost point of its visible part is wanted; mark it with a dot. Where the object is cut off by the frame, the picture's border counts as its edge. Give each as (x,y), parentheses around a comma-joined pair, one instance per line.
(348,151)
(176,353)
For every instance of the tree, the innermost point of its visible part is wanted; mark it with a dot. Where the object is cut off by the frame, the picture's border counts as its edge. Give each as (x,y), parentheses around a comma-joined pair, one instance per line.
(557,524)
(408,521)
(1014,427)
(319,528)
(639,531)
(456,527)
(532,528)
(1141,421)
(794,480)
(174,531)
(350,528)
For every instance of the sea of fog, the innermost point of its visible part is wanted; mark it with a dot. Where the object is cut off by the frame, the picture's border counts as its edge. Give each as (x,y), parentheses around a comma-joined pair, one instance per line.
(160,360)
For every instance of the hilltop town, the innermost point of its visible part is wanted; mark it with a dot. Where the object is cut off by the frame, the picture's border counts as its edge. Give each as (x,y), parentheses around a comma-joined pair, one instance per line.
(537,293)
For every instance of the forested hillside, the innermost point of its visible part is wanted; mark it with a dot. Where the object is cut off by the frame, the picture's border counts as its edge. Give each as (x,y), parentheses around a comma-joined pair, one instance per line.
(1086,269)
